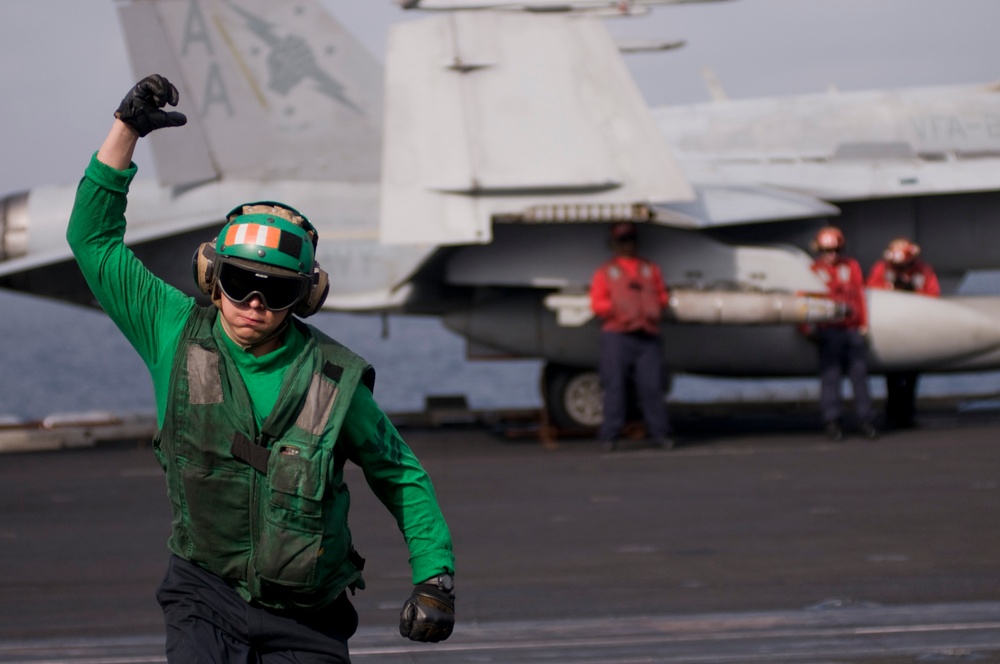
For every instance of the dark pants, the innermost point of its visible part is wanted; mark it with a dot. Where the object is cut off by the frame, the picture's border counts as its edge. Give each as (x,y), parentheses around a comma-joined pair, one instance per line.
(209,623)
(637,356)
(900,398)
(843,351)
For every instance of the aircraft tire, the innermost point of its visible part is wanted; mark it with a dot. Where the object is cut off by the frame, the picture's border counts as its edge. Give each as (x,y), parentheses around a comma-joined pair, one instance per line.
(573,397)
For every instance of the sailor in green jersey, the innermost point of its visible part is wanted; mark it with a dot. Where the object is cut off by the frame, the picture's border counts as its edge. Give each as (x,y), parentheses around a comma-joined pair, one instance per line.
(258,413)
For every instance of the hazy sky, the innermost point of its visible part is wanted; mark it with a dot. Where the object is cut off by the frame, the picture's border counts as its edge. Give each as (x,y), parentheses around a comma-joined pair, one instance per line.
(63,67)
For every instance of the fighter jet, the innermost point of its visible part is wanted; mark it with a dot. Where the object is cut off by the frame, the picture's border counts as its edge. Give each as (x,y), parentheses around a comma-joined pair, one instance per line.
(476,181)
(518,137)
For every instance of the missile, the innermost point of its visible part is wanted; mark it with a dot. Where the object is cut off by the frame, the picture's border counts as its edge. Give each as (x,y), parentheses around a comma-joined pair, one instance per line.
(721,307)
(911,331)
(716,307)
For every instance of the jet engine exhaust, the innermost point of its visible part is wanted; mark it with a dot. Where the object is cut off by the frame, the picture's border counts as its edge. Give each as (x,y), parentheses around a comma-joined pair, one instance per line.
(14,226)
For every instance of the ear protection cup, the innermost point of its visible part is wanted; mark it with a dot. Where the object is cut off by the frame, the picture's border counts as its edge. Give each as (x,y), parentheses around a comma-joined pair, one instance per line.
(319,288)
(203,267)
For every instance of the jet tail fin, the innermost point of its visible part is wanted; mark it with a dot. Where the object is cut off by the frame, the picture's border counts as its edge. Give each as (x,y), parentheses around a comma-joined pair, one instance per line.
(492,114)
(272,90)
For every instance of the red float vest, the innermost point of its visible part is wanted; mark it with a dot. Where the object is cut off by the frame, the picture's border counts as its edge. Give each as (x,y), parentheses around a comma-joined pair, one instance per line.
(635,301)
(844,284)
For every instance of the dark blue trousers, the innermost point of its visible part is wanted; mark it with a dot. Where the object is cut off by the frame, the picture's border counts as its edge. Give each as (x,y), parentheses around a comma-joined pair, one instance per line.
(209,623)
(900,398)
(635,356)
(843,351)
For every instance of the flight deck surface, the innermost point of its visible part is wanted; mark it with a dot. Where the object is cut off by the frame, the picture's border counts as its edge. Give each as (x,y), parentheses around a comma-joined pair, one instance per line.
(746,543)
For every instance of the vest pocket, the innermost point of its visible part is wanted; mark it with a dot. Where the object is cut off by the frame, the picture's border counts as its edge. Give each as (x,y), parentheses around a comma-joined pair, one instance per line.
(288,557)
(290,541)
(216,531)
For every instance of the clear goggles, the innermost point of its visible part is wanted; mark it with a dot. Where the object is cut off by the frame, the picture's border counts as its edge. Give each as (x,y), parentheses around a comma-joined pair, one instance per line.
(277,293)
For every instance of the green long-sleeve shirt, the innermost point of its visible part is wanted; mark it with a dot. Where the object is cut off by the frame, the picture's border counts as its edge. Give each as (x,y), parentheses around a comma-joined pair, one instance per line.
(152,315)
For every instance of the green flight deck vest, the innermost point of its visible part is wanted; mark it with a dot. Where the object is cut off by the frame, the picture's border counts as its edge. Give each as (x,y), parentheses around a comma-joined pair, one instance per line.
(264,509)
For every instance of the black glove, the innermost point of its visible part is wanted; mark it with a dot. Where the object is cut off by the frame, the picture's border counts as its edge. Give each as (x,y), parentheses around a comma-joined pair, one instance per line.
(428,614)
(141,107)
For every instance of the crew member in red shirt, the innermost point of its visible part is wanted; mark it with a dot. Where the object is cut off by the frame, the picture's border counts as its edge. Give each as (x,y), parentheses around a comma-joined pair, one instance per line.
(842,344)
(628,294)
(901,269)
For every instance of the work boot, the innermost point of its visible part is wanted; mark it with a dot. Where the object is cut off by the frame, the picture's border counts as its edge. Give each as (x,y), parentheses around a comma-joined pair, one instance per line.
(869,430)
(663,443)
(834,432)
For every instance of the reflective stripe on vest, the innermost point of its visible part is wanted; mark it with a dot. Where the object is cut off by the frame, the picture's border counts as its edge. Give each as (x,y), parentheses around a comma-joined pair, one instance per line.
(841,272)
(319,403)
(204,379)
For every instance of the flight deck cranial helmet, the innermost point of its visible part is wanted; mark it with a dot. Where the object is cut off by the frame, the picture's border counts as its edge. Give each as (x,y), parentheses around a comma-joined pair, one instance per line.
(623,236)
(266,249)
(829,238)
(623,231)
(901,251)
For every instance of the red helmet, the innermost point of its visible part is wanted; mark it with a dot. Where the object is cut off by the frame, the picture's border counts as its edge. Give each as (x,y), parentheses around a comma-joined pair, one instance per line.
(623,230)
(901,251)
(829,238)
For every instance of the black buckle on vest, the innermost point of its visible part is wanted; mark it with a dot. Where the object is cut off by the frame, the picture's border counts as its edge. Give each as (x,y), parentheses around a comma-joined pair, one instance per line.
(249,452)
(355,558)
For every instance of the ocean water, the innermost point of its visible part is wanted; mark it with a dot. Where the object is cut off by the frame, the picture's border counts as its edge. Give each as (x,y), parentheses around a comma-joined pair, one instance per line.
(60,358)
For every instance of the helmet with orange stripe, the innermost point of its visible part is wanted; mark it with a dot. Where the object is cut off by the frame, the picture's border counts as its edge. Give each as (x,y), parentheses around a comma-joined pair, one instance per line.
(266,249)
(270,235)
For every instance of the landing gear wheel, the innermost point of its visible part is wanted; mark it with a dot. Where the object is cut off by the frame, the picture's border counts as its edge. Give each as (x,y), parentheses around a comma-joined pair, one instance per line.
(574,397)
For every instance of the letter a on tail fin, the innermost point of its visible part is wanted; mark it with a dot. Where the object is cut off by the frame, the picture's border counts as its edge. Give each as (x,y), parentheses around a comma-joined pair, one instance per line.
(272,90)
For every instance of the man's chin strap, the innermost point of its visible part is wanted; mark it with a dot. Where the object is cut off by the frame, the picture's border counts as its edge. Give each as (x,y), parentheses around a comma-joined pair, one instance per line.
(260,342)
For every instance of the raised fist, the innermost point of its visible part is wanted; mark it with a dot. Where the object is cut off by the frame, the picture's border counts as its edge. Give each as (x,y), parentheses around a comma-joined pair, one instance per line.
(142,107)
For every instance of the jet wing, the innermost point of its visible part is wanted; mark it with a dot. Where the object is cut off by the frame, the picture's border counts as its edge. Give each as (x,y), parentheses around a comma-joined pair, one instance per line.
(55,274)
(476,130)
(844,146)
(723,205)
(49,269)
(155,213)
